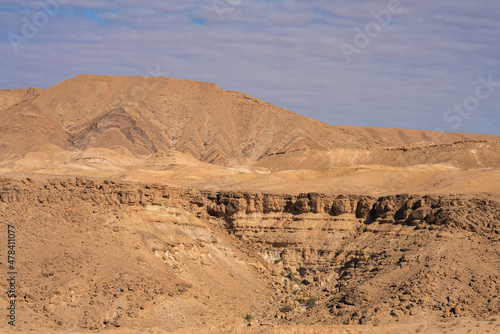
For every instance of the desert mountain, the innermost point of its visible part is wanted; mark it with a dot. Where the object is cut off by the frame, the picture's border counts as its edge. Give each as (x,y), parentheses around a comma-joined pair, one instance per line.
(149,115)
(240,217)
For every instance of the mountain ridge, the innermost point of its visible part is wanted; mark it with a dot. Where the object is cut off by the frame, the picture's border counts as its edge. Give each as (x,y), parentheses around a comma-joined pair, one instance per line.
(146,115)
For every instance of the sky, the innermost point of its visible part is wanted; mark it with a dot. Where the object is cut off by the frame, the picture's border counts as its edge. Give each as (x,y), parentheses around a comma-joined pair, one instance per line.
(425,64)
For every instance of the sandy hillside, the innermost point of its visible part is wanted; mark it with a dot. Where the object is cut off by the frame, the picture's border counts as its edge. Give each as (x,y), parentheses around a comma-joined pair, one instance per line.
(149,115)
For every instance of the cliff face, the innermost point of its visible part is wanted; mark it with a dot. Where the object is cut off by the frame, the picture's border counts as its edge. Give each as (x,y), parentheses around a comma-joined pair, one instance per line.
(109,253)
(472,213)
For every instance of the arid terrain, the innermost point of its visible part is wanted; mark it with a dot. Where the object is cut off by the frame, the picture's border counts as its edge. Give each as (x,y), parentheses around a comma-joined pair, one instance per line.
(154,205)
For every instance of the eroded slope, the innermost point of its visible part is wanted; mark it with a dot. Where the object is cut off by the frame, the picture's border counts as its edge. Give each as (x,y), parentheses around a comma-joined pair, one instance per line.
(147,115)
(100,254)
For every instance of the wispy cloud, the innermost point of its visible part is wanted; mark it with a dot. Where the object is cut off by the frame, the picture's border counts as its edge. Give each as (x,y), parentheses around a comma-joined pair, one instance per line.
(285,52)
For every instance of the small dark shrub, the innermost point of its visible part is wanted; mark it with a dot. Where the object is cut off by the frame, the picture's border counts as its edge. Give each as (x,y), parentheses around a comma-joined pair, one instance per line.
(311,302)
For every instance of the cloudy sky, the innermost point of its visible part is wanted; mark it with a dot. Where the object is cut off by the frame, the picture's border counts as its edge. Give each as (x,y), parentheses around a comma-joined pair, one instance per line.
(413,64)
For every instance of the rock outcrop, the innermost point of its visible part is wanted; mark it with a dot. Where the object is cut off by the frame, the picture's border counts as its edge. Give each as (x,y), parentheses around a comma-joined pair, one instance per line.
(315,258)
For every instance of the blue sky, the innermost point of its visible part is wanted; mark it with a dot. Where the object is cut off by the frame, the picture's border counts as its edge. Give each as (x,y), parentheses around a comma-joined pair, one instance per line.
(410,64)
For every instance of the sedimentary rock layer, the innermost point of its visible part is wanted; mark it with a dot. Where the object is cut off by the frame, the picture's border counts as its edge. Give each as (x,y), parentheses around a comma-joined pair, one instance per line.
(100,253)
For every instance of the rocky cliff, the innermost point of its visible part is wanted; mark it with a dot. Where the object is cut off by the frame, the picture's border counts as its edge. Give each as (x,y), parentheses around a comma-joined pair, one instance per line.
(100,253)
